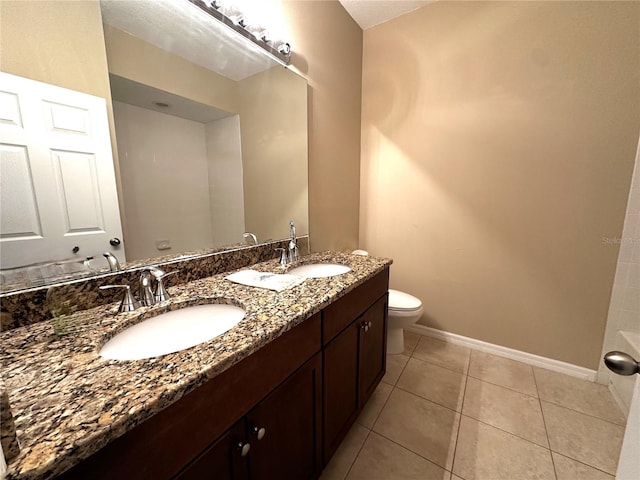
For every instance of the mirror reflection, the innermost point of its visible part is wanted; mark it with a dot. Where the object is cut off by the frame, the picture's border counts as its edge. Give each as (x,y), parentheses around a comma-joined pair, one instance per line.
(210,135)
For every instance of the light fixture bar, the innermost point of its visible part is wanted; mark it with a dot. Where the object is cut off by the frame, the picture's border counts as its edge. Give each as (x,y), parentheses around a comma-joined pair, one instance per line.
(281,55)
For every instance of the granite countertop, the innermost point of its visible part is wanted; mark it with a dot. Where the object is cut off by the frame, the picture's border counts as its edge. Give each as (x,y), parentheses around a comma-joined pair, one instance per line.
(68,402)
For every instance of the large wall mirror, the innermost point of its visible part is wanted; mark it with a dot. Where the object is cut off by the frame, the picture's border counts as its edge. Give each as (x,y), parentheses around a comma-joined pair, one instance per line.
(211,135)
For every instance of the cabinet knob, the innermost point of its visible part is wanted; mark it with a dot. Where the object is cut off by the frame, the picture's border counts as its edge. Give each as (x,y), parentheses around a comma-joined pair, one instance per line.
(259,432)
(365,326)
(244,448)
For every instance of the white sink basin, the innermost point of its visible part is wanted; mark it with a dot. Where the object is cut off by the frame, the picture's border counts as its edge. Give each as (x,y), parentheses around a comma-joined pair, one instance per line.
(172,331)
(320,270)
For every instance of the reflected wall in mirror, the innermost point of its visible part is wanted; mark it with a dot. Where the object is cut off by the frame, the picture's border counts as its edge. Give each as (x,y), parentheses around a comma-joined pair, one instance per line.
(208,148)
(229,152)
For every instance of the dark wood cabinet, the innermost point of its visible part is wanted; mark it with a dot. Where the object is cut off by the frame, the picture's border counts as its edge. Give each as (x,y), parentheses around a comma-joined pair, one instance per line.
(285,428)
(354,360)
(340,387)
(224,460)
(372,348)
(279,438)
(278,414)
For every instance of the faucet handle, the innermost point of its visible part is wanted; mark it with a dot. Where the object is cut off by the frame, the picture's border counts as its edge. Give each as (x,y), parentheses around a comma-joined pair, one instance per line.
(284,256)
(129,303)
(161,293)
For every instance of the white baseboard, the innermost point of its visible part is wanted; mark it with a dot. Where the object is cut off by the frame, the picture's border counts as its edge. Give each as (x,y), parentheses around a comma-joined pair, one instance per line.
(520,356)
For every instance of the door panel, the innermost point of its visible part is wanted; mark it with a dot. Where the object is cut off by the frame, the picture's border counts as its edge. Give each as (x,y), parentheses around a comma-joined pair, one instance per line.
(372,348)
(340,387)
(57,175)
(222,460)
(289,445)
(18,195)
(78,192)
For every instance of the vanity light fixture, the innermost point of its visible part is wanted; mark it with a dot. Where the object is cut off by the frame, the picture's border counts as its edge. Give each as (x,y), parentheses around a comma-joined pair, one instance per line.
(232,16)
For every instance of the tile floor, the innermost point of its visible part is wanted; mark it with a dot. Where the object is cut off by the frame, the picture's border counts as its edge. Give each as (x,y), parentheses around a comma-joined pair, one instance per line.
(447,412)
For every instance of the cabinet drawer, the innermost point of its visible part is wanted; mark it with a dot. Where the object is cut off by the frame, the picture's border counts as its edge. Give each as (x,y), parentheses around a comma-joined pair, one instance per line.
(342,312)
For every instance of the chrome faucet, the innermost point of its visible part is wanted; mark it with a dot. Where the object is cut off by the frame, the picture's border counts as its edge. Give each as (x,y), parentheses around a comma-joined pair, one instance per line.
(293,244)
(249,235)
(290,255)
(147,297)
(114,265)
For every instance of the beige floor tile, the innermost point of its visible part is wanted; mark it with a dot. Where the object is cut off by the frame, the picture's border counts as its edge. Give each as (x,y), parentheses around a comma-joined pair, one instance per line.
(581,395)
(582,437)
(374,405)
(421,426)
(434,383)
(346,454)
(395,364)
(506,409)
(568,469)
(410,342)
(502,371)
(382,459)
(448,355)
(485,452)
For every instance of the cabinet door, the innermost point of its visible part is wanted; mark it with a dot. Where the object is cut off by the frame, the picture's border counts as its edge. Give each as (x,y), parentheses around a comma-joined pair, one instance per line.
(224,460)
(285,428)
(340,387)
(373,346)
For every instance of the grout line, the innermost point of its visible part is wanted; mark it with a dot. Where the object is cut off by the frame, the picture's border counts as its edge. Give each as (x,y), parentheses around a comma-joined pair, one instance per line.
(509,433)
(429,400)
(441,365)
(508,388)
(383,405)
(415,453)
(355,458)
(455,449)
(582,413)
(544,423)
(582,463)
(369,429)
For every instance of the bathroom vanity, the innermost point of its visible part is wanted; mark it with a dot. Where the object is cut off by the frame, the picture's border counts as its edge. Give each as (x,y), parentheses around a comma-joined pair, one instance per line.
(271,398)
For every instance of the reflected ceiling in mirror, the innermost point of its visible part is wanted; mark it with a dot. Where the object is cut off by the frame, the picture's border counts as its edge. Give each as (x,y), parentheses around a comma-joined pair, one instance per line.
(182,28)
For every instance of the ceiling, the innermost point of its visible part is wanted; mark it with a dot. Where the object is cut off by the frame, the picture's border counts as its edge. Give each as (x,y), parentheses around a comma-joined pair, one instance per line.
(368,13)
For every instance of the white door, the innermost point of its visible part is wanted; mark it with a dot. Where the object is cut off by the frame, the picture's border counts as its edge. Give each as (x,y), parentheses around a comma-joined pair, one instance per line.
(629,463)
(58,196)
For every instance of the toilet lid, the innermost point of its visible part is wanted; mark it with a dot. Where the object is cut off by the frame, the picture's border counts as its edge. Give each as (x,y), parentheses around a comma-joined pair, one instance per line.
(403,301)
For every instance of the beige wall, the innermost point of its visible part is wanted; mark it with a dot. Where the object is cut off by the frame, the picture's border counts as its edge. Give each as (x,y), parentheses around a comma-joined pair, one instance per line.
(137,60)
(498,145)
(273,120)
(61,46)
(226,191)
(327,47)
(165,184)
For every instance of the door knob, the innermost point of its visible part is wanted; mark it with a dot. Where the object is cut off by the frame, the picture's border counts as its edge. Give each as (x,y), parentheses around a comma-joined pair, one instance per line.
(621,363)
(115,241)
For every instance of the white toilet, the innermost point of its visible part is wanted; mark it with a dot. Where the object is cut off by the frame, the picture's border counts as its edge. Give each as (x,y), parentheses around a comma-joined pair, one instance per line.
(404,310)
